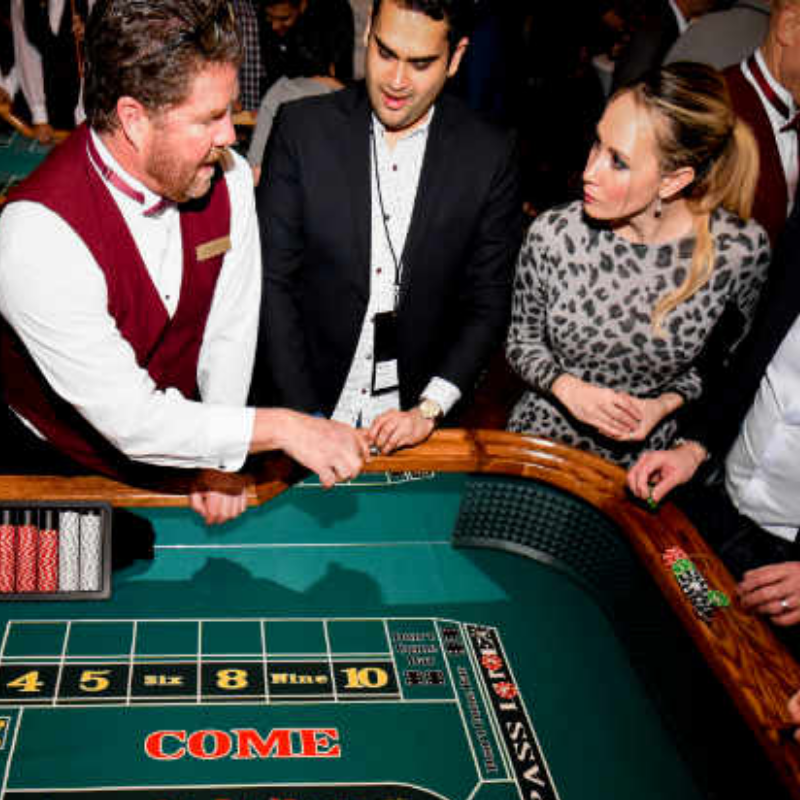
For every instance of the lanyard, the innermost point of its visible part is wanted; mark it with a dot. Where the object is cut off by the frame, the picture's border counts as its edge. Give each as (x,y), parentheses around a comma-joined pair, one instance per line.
(398,263)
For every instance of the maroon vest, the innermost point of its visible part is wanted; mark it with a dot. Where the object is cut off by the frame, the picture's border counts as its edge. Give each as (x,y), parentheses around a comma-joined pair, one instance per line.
(167,348)
(772,195)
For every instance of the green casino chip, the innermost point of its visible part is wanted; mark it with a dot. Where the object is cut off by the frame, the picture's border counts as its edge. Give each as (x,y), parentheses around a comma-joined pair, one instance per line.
(718,599)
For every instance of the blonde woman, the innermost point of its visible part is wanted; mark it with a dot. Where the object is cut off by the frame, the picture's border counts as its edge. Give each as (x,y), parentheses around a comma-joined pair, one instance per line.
(616,297)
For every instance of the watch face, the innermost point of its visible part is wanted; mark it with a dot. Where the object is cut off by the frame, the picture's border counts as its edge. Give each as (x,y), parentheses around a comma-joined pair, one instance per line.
(429,409)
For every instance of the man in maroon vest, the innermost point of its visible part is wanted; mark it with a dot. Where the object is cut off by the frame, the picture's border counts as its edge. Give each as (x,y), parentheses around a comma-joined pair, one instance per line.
(765,89)
(130,272)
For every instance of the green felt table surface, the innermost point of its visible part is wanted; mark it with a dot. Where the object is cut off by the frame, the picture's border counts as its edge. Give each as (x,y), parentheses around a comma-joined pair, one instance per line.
(335,575)
(18,157)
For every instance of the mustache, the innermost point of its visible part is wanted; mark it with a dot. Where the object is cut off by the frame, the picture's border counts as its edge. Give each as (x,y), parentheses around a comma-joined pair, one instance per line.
(221,156)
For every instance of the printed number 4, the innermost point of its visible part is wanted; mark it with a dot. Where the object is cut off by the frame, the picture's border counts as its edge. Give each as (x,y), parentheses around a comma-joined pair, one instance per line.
(28,683)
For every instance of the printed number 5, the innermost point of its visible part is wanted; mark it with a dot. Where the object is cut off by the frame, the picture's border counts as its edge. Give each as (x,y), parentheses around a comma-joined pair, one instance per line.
(94,680)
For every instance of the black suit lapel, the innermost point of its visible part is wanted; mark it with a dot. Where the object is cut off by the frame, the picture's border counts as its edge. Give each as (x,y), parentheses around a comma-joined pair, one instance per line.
(429,190)
(356,165)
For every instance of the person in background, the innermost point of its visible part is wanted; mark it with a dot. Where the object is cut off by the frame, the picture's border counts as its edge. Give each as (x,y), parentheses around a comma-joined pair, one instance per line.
(8,78)
(616,297)
(764,90)
(22,78)
(652,37)
(130,274)
(252,74)
(56,29)
(361,10)
(289,26)
(314,63)
(725,37)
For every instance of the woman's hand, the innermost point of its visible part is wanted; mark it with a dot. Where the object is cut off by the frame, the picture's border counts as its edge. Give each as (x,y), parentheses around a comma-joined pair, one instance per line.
(652,410)
(614,414)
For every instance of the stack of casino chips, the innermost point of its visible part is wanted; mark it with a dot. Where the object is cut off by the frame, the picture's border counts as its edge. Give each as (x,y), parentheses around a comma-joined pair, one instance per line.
(704,600)
(48,550)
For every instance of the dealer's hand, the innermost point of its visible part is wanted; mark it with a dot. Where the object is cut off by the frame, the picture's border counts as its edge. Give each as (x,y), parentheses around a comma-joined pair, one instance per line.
(218,507)
(773,591)
(335,451)
(614,414)
(657,472)
(395,429)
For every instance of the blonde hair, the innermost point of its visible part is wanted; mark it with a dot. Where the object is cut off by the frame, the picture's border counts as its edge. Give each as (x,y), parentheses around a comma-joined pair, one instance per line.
(695,126)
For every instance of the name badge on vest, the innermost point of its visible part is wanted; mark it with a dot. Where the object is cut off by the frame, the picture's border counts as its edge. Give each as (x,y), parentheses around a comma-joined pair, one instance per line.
(216,247)
(384,364)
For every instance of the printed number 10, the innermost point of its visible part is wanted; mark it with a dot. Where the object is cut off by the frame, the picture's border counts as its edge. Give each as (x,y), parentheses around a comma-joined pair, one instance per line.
(365,678)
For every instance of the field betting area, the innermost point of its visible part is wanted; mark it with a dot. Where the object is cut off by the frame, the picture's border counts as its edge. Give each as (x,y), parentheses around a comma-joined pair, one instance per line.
(425,635)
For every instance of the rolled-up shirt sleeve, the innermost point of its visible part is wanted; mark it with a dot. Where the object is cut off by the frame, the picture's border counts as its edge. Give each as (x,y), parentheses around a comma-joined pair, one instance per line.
(54,295)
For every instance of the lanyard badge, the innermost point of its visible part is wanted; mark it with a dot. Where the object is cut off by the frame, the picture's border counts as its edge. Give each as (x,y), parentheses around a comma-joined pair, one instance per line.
(384,363)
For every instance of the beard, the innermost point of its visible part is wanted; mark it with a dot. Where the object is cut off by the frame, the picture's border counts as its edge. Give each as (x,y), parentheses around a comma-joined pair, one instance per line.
(180,181)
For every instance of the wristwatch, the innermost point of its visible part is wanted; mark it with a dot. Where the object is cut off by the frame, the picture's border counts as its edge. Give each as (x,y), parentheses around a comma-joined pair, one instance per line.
(430,409)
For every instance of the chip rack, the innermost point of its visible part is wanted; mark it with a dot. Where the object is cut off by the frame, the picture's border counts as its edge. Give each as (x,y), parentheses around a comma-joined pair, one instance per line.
(23,514)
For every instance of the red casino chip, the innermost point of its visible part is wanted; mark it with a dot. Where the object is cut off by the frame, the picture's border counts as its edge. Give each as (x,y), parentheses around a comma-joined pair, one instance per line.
(8,557)
(492,662)
(47,562)
(27,548)
(673,554)
(508,691)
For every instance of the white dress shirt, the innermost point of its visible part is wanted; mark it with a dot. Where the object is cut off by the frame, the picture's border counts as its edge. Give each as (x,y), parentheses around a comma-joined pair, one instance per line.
(763,466)
(398,170)
(55,296)
(787,141)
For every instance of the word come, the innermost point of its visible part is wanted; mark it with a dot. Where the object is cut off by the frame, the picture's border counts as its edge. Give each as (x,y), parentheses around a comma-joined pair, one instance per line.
(243,744)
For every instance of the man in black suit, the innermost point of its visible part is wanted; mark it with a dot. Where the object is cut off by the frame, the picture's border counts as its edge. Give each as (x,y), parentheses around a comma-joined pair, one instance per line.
(390,221)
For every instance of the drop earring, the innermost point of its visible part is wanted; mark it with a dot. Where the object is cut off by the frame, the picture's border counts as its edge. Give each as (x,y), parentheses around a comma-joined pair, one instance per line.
(658,208)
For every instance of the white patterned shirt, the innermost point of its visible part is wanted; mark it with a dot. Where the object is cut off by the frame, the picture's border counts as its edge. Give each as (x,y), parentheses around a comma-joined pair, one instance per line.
(397,177)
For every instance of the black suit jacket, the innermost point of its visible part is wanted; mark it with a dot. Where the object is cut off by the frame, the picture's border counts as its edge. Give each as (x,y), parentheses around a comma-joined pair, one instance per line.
(314,209)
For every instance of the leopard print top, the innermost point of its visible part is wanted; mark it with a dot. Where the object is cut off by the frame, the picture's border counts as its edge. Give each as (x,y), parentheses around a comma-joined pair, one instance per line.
(583,301)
